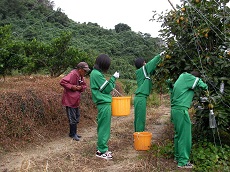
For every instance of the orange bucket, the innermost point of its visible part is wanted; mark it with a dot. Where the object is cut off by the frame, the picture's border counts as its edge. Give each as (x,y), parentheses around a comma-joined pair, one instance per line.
(142,140)
(120,106)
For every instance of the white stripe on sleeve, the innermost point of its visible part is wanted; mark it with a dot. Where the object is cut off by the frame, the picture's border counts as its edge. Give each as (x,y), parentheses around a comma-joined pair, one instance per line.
(145,73)
(103,85)
(194,84)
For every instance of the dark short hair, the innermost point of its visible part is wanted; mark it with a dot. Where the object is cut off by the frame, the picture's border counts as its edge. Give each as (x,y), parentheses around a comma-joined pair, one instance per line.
(102,62)
(139,62)
(195,73)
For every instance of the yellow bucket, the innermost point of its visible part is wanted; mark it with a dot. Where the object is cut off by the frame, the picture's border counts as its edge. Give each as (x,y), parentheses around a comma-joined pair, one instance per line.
(120,106)
(142,140)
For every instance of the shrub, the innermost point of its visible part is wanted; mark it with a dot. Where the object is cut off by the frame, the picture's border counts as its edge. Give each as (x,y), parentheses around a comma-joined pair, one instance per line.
(208,157)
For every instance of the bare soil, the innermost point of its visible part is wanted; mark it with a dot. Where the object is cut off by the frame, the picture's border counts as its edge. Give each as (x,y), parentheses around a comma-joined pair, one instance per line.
(65,154)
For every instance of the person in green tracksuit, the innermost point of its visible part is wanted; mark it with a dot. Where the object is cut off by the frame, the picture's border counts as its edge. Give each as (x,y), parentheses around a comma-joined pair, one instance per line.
(181,99)
(144,86)
(101,88)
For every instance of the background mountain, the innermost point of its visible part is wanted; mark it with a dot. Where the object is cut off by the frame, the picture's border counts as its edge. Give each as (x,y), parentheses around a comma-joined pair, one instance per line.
(36,38)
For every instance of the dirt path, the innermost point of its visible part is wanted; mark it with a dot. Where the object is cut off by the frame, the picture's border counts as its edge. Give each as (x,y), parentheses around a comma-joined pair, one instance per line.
(65,154)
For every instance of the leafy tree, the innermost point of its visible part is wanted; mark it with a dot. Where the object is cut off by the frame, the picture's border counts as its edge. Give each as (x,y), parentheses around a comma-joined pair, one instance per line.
(121,27)
(59,17)
(55,56)
(11,52)
(197,37)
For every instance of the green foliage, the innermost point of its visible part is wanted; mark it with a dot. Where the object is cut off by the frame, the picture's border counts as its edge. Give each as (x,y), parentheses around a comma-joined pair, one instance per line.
(208,157)
(58,55)
(31,56)
(193,40)
(164,150)
(205,156)
(197,37)
(11,52)
(59,17)
(52,42)
(121,27)
(220,103)
(125,69)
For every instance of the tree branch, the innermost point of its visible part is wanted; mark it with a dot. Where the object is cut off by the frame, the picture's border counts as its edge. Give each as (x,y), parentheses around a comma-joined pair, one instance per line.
(172,5)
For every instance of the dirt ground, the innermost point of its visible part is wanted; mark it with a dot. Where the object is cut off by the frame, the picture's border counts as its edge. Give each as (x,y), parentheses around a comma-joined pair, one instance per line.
(65,154)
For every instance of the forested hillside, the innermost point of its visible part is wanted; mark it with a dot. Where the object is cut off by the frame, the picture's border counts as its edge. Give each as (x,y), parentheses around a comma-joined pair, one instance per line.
(37,38)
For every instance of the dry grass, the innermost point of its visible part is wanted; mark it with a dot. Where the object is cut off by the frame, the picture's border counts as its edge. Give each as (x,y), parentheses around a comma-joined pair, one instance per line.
(31,111)
(35,138)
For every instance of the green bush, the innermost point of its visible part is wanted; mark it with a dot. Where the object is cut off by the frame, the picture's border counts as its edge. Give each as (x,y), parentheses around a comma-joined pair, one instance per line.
(162,150)
(206,156)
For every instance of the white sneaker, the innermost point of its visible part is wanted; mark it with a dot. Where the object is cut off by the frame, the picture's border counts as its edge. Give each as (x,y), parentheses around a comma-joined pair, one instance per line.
(106,155)
(188,165)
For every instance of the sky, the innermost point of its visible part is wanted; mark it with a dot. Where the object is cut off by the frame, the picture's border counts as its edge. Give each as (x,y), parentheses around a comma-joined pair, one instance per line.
(108,13)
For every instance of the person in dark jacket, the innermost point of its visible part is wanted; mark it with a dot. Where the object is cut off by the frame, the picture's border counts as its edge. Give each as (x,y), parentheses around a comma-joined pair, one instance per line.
(74,84)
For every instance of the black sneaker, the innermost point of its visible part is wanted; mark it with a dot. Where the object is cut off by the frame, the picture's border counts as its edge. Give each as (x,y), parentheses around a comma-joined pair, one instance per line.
(188,165)
(73,136)
(106,155)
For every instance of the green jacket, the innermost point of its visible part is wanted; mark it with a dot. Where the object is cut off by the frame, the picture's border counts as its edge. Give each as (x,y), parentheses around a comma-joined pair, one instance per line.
(183,90)
(100,87)
(144,82)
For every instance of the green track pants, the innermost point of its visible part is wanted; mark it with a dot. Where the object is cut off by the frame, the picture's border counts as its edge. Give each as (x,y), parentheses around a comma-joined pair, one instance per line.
(139,113)
(103,126)
(182,135)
